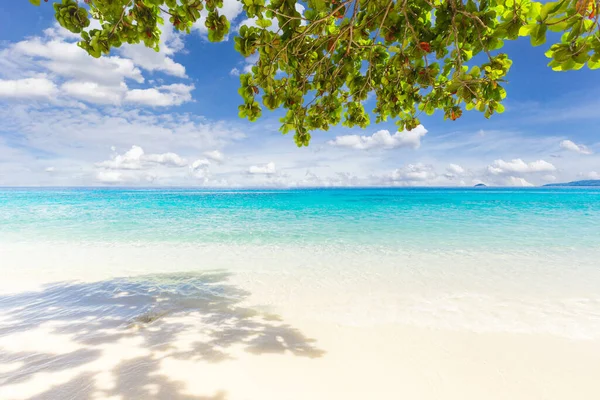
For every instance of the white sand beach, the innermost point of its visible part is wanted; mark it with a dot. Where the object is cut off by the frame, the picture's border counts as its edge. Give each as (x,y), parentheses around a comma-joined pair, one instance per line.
(317,329)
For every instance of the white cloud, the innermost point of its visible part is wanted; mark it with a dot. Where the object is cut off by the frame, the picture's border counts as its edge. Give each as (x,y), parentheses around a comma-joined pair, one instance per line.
(572,146)
(94,93)
(215,155)
(162,96)
(455,169)
(413,173)
(200,168)
(49,169)
(110,177)
(382,140)
(52,66)
(249,62)
(517,165)
(201,163)
(516,181)
(549,178)
(264,169)
(339,179)
(83,134)
(57,31)
(68,60)
(151,60)
(119,177)
(27,88)
(592,175)
(135,158)
(132,159)
(168,159)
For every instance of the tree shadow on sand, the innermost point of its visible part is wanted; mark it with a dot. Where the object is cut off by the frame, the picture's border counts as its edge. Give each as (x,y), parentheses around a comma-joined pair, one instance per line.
(155,310)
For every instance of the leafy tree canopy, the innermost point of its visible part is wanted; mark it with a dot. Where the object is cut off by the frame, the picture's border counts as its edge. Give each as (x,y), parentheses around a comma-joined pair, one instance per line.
(320,65)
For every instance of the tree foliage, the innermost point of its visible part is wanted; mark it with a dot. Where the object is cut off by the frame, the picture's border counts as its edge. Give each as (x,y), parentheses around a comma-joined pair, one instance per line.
(416,56)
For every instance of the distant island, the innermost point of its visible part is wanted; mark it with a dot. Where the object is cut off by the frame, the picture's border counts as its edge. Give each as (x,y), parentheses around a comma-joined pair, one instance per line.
(480,185)
(589,182)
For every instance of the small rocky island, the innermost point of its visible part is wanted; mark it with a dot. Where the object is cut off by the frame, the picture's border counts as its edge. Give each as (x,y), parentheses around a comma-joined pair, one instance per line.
(480,185)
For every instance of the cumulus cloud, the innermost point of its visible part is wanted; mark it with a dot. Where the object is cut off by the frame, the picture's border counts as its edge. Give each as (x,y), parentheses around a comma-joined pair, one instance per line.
(52,66)
(413,173)
(215,155)
(151,60)
(382,140)
(95,93)
(455,169)
(200,168)
(110,177)
(84,134)
(201,163)
(167,159)
(69,61)
(120,177)
(162,96)
(592,175)
(572,146)
(339,179)
(27,88)
(264,169)
(249,62)
(135,158)
(500,167)
(132,159)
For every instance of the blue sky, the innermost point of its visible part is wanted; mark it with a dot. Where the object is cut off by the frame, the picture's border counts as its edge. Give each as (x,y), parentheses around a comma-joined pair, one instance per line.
(170,118)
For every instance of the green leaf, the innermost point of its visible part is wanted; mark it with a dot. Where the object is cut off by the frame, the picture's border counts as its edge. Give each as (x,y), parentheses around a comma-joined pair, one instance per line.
(546,9)
(538,35)
(534,11)
(264,23)
(35,2)
(525,30)
(593,64)
(582,57)
(557,24)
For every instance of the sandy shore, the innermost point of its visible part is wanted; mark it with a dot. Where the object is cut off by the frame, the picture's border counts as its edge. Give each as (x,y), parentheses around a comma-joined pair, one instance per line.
(386,362)
(255,332)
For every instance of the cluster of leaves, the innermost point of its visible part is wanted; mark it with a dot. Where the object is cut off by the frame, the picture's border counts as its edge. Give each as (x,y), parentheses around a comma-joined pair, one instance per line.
(416,56)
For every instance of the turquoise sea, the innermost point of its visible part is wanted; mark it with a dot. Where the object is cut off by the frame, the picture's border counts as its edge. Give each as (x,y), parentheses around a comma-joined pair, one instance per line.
(438,218)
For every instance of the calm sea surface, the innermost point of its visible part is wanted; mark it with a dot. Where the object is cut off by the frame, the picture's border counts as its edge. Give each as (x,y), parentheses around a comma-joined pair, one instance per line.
(501,219)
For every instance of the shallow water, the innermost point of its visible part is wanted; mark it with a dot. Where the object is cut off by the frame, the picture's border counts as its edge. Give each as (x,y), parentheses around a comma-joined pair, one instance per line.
(501,219)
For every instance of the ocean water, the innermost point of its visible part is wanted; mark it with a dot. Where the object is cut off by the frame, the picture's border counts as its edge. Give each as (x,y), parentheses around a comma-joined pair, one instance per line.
(500,219)
(523,261)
